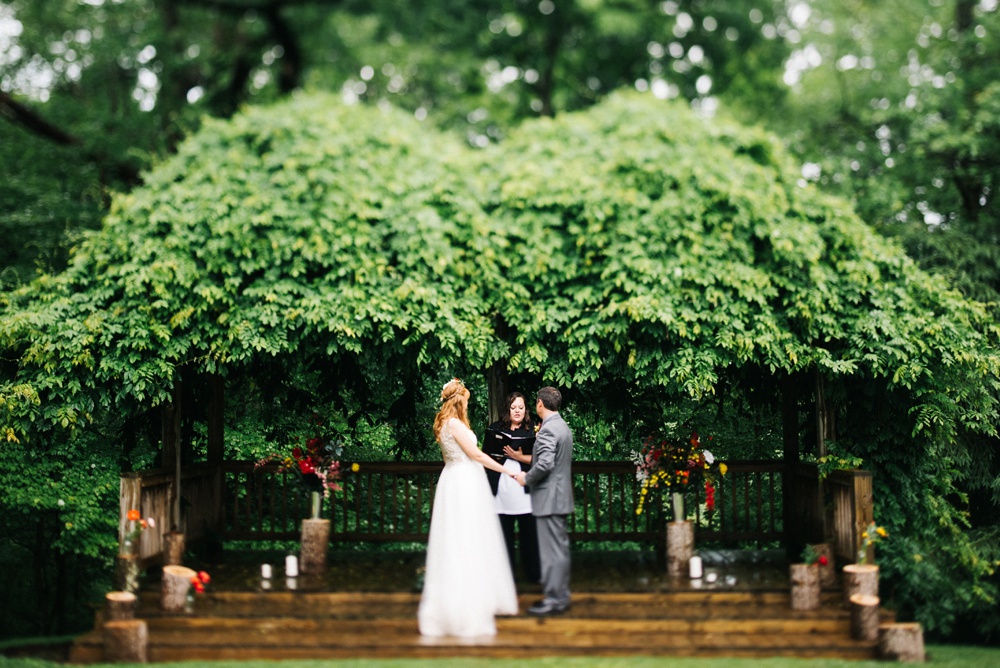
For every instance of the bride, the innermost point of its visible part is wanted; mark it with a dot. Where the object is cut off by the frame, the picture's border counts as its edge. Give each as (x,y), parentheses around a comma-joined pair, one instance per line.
(468,579)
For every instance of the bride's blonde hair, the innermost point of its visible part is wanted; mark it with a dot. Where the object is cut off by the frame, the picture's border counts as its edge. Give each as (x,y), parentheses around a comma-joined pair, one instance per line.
(452,405)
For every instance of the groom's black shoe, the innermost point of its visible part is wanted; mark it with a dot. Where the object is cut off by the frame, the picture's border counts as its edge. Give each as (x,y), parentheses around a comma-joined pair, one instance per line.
(543,609)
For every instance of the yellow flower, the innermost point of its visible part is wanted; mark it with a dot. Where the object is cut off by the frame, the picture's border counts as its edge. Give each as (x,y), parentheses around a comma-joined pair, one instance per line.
(882,532)
(723,468)
(355,467)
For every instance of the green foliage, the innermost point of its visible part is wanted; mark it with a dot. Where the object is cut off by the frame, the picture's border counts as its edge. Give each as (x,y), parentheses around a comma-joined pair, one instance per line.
(660,267)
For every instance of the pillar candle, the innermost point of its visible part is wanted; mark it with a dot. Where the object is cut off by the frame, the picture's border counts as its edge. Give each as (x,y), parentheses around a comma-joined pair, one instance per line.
(694,567)
(265,571)
(291,566)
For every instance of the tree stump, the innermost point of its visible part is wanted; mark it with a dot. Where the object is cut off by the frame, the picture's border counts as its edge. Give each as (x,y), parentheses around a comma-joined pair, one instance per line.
(901,642)
(860,579)
(680,548)
(120,605)
(864,617)
(315,545)
(828,573)
(126,576)
(173,548)
(126,641)
(174,587)
(805,586)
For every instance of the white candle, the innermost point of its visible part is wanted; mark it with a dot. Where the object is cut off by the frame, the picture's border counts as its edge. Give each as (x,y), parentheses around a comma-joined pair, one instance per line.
(265,571)
(694,567)
(710,578)
(291,566)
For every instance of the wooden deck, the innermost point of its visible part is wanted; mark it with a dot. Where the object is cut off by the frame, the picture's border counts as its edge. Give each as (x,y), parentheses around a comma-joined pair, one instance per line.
(618,615)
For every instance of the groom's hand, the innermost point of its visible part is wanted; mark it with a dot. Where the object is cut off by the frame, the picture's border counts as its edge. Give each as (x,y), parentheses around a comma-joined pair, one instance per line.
(519,477)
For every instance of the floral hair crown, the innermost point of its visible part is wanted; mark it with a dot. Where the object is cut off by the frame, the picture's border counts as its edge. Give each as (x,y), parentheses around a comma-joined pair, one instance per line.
(444,389)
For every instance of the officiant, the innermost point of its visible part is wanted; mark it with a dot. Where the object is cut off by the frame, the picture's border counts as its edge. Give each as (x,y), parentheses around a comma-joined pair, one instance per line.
(509,441)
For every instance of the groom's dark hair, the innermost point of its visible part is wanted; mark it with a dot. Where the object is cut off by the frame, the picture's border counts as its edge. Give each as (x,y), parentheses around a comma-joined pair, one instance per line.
(550,397)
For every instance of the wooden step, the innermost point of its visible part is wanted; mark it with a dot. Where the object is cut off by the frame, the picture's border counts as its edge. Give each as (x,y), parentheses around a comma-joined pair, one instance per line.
(294,625)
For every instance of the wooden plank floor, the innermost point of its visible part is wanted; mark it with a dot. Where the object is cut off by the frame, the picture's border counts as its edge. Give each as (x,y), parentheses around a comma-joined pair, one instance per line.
(318,625)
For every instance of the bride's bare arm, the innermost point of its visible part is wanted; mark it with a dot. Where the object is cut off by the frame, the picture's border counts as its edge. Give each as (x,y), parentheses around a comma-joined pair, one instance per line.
(467,440)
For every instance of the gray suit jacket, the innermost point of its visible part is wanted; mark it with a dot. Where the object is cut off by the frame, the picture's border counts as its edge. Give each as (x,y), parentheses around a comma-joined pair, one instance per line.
(550,478)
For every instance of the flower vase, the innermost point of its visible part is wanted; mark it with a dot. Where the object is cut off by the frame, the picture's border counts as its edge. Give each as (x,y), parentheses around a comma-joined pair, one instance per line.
(678,504)
(680,548)
(315,505)
(805,586)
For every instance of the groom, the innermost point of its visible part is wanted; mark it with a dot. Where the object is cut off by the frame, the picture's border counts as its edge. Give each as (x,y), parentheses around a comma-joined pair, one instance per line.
(551,487)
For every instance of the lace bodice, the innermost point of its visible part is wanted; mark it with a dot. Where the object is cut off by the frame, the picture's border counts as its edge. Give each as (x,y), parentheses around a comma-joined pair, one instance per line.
(450,449)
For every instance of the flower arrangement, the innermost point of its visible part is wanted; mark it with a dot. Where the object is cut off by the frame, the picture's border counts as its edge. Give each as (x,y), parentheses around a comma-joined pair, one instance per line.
(136,525)
(199,581)
(870,536)
(811,557)
(672,466)
(316,462)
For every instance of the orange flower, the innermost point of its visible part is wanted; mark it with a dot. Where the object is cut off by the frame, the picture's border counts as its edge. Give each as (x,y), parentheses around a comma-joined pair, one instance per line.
(133,515)
(203,577)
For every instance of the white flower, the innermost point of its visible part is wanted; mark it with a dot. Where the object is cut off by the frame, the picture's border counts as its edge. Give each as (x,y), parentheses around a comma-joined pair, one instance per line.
(709,457)
(150,522)
(60,503)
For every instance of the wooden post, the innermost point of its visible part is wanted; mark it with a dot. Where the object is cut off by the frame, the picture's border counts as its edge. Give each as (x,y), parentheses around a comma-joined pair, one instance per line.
(864,617)
(805,586)
(860,579)
(901,642)
(315,545)
(120,605)
(216,447)
(126,641)
(680,548)
(174,587)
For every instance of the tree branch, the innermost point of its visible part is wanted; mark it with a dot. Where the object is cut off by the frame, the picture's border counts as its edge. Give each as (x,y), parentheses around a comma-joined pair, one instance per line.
(27,118)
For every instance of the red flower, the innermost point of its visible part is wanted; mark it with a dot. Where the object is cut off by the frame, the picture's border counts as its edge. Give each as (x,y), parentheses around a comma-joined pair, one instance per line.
(204,577)
(313,444)
(306,466)
(297,452)
(197,584)
(823,561)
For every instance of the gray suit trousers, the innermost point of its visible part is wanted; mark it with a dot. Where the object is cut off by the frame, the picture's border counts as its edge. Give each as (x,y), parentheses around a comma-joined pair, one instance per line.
(553,548)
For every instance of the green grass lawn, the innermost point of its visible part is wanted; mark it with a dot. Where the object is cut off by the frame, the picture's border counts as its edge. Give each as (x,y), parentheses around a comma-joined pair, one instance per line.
(938,655)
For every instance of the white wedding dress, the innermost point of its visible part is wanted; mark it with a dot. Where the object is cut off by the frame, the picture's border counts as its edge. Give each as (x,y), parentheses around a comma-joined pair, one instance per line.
(468,580)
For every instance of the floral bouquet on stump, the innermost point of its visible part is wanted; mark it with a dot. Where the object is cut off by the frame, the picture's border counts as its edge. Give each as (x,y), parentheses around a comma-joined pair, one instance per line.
(315,463)
(672,466)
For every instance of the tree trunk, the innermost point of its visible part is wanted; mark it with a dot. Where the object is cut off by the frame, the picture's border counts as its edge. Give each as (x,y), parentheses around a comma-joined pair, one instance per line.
(805,586)
(173,548)
(680,548)
(315,545)
(901,642)
(860,579)
(126,641)
(828,573)
(174,587)
(864,617)
(120,605)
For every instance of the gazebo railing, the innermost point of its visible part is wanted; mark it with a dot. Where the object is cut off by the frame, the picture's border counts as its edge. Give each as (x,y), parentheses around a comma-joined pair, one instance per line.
(391,501)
